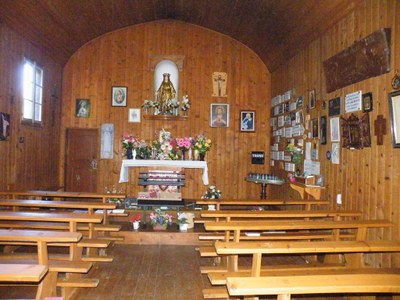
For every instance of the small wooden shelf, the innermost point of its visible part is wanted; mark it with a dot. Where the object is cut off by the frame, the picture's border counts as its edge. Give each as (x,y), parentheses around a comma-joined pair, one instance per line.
(165,117)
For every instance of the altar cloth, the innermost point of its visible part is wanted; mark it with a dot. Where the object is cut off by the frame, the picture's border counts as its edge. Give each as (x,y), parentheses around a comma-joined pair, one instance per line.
(187,164)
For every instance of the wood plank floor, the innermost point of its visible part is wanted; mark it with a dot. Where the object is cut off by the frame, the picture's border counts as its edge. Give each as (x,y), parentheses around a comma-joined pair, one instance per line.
(147,272)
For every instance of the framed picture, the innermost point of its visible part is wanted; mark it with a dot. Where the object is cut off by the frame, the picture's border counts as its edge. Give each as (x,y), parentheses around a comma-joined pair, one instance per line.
(334,106)
(322,125)
(311,98)
(314,128)
(4,126)
(119,95)
(219,115)
(299,102)
(335,129)
(394,109)
(367,104)
(247,120)
(82,108)
(134,115)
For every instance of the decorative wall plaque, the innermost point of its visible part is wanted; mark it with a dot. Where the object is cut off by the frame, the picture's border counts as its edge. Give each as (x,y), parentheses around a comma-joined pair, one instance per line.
(366,58)
(355,132)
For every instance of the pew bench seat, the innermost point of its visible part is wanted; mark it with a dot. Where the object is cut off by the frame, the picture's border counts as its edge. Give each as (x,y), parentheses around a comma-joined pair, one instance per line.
(22,272)
(219,278)
(285,286)
(56,256)
(59,266)
(212,271)
(58,226)
(83,243)
(279,235)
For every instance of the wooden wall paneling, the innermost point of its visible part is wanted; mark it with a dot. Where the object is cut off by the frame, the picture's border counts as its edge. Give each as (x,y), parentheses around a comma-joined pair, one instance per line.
(124,56)
(34,163)
(368,179)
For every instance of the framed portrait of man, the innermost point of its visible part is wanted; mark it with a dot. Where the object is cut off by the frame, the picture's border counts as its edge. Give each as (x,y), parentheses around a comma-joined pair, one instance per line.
(119,95)
(247,120)
(219,115)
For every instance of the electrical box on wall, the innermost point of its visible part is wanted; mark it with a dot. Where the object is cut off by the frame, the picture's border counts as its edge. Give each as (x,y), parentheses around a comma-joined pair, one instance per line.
(257,157)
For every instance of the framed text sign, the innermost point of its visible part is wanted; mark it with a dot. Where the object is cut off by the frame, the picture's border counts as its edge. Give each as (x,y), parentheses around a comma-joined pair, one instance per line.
(394,108)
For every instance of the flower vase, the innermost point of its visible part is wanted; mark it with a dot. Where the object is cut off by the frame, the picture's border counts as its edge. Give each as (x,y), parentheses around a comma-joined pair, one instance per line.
(183,227)
(202,156)
(135,225)
(183,154)
(190,154)
(159,227)
(196,154)
(129,154)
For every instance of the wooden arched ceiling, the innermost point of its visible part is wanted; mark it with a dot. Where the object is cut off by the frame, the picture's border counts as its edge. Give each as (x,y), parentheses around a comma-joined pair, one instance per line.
(274,29)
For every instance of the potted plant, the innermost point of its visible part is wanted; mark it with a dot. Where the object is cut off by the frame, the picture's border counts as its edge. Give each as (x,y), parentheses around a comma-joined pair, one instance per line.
(135,221)
(182,223)
(160,219)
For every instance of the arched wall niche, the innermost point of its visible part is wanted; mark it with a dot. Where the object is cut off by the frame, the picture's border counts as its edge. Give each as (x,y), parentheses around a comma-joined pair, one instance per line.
(170,67)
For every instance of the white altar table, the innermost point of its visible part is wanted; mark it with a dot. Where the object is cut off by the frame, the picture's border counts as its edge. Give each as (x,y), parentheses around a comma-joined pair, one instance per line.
(187,164)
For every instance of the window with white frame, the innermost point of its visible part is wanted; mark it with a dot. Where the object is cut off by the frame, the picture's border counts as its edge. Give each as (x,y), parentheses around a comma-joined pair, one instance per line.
(32,92)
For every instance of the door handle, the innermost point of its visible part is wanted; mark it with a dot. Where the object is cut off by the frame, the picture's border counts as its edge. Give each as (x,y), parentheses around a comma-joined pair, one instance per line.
(93,164)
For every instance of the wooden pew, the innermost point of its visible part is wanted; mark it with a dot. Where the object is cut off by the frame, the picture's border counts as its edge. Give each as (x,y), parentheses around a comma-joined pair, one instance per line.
(307,204)
(72,219)
(42,239)
(88,206)
(291,214)
(361,227)
(258,249)
(228,215)
(38,195)
(285,286)
(238,226)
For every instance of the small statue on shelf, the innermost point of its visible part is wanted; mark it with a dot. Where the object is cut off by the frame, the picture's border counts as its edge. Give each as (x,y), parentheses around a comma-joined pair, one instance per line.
(165,94)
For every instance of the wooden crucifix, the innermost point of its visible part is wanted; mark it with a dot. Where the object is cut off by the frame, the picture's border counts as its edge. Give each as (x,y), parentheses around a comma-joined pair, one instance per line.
(380,129)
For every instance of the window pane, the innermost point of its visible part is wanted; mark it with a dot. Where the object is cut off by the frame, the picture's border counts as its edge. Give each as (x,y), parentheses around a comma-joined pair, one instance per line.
(28,109)
(39,76)
(28,81)
(38,95)
(38,112)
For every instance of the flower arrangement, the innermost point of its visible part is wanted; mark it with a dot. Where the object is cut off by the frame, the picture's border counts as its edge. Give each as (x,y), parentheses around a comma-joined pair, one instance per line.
(129,141)
(135,218)
(182,221)
(185,103)
(202,144)
(184,143)
(212,193)
(147,104)
(142,149)
(113,190)
(165,147)
(159,217)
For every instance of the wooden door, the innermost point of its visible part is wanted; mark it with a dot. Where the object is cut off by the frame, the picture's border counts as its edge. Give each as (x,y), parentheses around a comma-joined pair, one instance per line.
(81,160)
